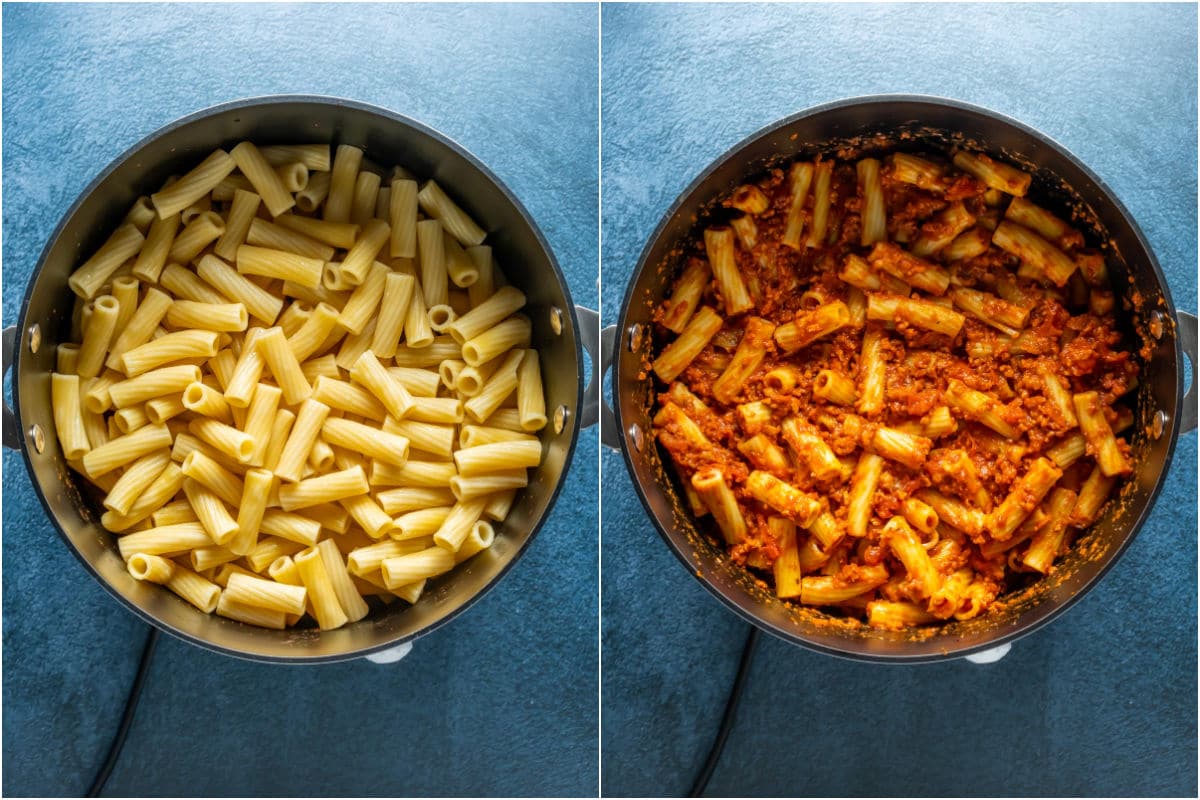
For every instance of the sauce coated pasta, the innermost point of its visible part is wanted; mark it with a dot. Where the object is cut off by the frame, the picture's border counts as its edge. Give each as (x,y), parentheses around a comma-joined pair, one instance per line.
(894,384)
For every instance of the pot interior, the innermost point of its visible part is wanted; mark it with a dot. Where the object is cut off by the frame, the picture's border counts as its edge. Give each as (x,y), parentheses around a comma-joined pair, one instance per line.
(519,250)
(1061,183)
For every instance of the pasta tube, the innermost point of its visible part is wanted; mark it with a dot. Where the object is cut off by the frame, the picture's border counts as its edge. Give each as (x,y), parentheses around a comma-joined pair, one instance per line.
(751,351)
(203,230)
(874,214)
(96,337)
(125,449)
(719,246)
(904,543)
(194,185)
(68,416)
(512,333)
(459,523)
(994,173)
(145,567)
(324,489)
(234,286)
(393,308)
(398,571)
(351,602)
(501,305)
(438,205)
(358,261)
(278,356)
(695,337)
(197,590)
(387,390)
(251,510)
(311,566)
(176,346)
(242,214)
(1099,434)
(123,245)
(402,208)
(263,178)
(1022,498)
(1035,251)
(280,265)
(221,317)
(300,440)
(370,441)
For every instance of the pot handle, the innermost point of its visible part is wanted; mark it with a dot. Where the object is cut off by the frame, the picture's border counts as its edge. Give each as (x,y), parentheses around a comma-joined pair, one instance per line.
(1187,339)
(609,435)
(8,351)
(599,346)
(391,655)
(990,656)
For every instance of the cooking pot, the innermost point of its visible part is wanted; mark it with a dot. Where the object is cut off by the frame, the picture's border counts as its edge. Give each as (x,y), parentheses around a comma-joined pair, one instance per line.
(1060,181)
(559,328)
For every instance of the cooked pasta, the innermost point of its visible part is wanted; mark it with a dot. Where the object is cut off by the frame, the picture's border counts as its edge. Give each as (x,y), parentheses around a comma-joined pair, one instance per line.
(257,388)
(879,389)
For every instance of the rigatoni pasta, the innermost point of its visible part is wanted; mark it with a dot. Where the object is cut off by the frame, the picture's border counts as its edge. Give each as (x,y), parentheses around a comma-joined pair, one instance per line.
(886,384)
(258,392)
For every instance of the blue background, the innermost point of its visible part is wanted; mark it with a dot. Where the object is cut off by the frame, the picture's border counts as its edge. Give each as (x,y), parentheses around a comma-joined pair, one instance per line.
(503,700)
(1101,702)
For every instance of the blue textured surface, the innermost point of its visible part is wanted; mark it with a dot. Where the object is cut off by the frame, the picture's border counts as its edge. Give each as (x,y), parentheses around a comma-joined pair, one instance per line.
(1101,702)
(502,701)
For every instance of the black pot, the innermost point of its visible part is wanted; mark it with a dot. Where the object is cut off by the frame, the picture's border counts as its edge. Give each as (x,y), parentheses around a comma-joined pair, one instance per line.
(1060,181)
(387,139)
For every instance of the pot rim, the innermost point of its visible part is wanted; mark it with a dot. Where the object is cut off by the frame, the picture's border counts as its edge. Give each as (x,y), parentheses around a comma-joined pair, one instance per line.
(392,118)
(947,649)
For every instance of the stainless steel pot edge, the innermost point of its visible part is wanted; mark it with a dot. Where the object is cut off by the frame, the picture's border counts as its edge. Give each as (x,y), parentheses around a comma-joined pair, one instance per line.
(1176,423)
(23,334)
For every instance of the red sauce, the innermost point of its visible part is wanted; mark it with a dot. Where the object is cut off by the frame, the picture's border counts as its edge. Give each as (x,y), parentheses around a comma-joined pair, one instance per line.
(1082,350)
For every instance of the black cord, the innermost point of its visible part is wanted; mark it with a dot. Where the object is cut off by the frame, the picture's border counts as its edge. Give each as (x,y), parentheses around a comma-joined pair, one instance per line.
(131,704)
(731,706)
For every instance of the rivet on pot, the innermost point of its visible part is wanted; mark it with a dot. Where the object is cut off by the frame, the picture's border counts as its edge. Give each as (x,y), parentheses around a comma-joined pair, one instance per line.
(38,437)
(1158,424)
(35,338)
(556,320)
(1158,323)
(561,415)
(635,337)
(636,437)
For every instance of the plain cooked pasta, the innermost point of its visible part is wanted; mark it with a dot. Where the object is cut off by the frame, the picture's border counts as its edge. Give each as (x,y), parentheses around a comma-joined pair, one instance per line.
(342,178)
(402,208)
(68,416)
(184,283)
(153,255)
(97,336)
(259,392)
(273,235)
(263,178)
(333,234)
(142,324)
(366,196)
(205,228)
(92,275)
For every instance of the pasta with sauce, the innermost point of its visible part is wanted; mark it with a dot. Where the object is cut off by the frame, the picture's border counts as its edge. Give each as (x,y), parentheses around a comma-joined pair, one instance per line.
(894,383)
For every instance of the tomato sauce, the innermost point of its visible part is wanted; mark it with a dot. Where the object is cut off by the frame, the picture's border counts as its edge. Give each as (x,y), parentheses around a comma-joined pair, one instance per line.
(1083,350)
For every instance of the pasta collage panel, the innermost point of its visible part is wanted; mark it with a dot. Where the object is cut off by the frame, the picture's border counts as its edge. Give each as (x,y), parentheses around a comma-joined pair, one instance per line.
(901,374)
